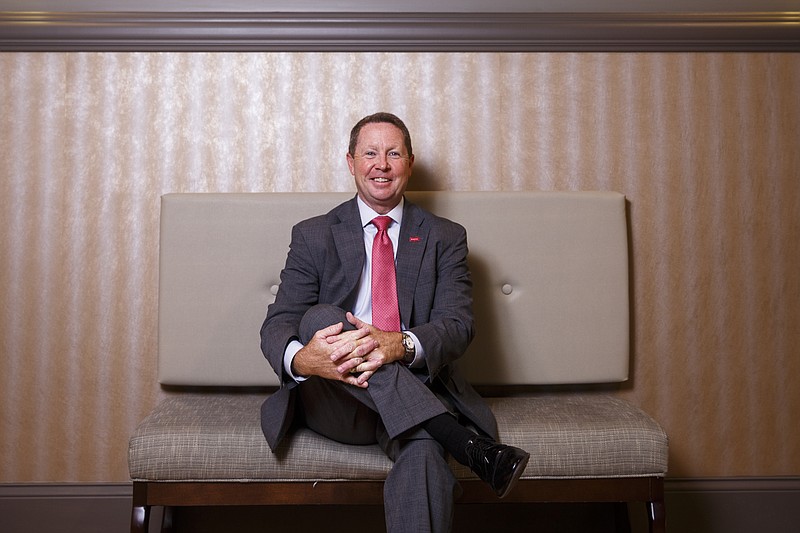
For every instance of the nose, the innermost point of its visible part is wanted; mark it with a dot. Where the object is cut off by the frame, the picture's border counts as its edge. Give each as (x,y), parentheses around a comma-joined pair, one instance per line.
(382,161)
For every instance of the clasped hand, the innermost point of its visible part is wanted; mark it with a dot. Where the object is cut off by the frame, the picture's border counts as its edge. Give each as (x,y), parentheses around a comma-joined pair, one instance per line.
(351,356)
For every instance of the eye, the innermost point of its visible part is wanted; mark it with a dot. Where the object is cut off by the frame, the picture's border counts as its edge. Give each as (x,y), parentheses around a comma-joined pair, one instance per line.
(395,155)
(370,154)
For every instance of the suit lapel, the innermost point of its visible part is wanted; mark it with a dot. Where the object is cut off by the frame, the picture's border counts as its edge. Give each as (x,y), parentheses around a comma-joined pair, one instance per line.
(410,250)
(348,239)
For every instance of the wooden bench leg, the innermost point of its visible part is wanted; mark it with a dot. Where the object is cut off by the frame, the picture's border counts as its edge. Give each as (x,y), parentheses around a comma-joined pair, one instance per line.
(140,518)
(622,520)
(166,520)
(140,511)
(657,516)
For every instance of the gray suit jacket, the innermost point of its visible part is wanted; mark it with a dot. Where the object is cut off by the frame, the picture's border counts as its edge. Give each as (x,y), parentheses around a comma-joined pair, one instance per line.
(324,265)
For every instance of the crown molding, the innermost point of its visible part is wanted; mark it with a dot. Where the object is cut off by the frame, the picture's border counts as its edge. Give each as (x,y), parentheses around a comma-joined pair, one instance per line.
(401,32)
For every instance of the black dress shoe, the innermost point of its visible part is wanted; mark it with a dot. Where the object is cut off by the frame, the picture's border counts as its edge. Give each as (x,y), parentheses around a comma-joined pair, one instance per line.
(497,464)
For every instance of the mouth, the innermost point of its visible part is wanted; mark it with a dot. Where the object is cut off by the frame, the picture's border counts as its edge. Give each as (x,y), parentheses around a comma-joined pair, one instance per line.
(381,180)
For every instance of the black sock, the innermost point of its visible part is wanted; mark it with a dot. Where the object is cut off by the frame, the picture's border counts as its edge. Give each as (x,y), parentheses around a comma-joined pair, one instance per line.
(451,435)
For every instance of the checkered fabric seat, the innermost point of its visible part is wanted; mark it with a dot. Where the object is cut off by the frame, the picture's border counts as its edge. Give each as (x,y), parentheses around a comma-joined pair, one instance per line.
(213,437)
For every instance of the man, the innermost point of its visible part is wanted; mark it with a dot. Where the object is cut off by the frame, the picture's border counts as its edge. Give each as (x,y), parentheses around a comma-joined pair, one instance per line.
(363,338)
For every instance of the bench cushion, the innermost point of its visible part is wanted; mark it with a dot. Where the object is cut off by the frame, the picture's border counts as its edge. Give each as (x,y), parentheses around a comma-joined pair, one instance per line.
(217,437)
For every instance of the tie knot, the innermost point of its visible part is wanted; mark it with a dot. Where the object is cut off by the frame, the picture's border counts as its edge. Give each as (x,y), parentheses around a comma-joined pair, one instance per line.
(382,222)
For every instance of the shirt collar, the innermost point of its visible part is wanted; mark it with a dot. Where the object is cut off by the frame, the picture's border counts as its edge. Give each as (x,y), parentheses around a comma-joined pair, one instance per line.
(367,213)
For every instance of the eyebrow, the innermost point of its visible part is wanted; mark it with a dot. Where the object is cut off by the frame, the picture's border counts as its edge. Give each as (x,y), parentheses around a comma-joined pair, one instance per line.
(399,147)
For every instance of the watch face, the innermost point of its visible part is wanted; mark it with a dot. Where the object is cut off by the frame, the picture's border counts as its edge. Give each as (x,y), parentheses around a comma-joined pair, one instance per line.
(408,343)
(410,349)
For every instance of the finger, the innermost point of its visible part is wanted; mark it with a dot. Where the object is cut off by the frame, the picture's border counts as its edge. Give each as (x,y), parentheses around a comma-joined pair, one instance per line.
(357,322)
(364,365)
(350,366)
(333,329)
(353,334)
(353,380)
(363,377)
(365,347)
(341,351)
(359,348)
(349,350)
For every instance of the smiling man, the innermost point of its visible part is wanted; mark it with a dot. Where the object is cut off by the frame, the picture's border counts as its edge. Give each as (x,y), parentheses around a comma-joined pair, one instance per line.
(374,306)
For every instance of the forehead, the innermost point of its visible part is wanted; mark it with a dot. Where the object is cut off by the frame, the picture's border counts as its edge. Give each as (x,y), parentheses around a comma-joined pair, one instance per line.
(380,133)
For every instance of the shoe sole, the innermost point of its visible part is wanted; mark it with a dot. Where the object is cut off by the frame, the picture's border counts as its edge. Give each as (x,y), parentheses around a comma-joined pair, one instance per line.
(518,470)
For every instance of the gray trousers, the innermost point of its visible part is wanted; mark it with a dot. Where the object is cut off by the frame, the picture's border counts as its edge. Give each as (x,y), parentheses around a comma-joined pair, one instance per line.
(420,490)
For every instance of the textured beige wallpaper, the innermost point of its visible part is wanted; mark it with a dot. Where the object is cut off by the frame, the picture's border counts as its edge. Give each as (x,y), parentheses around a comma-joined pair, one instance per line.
(705,146)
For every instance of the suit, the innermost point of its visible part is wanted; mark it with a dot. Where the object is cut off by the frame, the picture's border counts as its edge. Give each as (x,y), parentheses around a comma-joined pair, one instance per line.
(324,265)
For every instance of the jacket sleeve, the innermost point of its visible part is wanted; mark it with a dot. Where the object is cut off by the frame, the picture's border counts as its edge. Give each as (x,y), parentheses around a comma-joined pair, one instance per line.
(298,291)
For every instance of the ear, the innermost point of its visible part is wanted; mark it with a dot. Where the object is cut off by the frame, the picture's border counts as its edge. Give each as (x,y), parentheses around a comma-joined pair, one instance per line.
(351,164)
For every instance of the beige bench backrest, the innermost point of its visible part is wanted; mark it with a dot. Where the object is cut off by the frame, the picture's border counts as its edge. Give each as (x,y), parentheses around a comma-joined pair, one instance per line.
(550,271)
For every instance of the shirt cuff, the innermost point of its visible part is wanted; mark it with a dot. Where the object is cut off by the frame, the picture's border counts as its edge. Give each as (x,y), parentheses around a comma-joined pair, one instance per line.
(419,353)
(288,356)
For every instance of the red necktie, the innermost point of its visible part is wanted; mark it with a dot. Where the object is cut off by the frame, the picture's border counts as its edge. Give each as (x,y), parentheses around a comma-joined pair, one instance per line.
(385,312)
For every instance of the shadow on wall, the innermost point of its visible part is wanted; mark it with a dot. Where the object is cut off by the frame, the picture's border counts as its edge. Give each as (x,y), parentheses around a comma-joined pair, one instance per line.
(424,179)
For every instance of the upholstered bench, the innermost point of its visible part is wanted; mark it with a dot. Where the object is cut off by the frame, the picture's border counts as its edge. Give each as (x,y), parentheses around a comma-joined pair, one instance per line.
(552,313)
